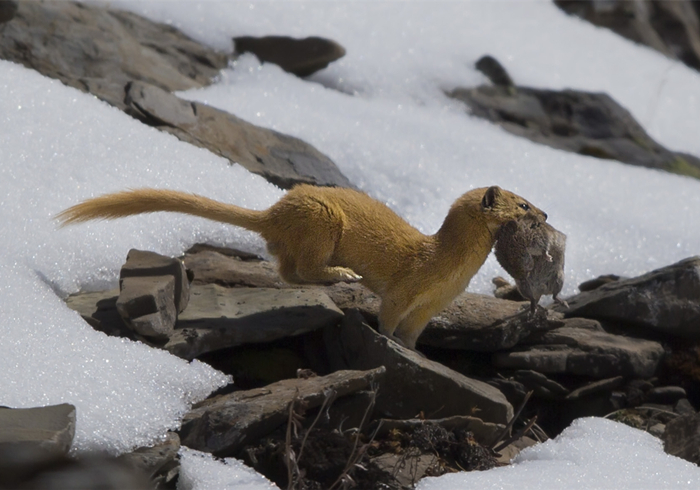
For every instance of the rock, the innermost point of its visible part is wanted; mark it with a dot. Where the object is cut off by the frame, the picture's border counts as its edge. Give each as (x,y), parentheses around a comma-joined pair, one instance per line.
(49,429)
(489,66)
(682,437)
(413,384)
(28,469)
(283,160)
(590,124)
(578,351)
(141,263)
(684,407)
(351,295)
(134,64)
(540,384)
(8,8)
(99,309)
(153,289)
(219,317)
(223,425)
(666,394)
(666,300)
(592,284)
(209,266)
(147,305)
(595,387)
(107,49)
(509,452)
(301,57)
(159,462)
(481,323)
(671,28)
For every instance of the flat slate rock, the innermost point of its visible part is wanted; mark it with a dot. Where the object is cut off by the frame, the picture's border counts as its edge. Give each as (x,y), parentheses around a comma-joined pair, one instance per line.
(48,429)
(584,352)
(159,462)
(413,384)
(99,50)
(225,424)
(283,160)
(666,300)
(591,124)
(209,266)
(301,57)
(219,317)
(682,437)
(483,323)
(99,309)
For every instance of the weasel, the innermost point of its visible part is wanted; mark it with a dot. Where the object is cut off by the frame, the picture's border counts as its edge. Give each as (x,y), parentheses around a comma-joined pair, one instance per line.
(532,251)
(330,234)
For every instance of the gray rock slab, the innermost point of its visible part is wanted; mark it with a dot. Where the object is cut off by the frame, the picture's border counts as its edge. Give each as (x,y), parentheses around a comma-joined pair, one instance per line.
(143,263)
(99,309)
(587,123)
(50,429)
(147,305)
(219,317)
(283,160)
(682,437)
(213,267)
(159,462)
(413,384)
(540,384)
(669,27)
(223,425)
(483,323)
(100,50)
(666,300)
(301,57)
(592,353)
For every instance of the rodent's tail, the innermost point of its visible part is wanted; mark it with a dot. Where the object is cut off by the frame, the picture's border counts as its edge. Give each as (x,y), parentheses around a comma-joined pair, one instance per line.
(139,201)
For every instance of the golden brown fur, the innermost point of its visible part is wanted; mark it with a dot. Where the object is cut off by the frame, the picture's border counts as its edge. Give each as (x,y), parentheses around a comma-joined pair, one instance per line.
(323,235)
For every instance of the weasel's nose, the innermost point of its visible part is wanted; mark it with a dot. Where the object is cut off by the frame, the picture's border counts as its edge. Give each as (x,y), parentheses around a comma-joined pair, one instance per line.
(545,215)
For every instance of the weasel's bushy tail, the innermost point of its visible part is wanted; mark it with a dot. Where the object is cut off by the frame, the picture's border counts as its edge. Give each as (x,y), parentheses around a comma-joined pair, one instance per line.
(139,201)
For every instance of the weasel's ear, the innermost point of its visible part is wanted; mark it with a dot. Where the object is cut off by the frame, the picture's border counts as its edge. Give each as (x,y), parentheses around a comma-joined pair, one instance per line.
(492,193)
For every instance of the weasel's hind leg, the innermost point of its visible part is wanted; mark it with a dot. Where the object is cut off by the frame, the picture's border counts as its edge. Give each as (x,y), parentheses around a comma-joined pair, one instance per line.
(304,234)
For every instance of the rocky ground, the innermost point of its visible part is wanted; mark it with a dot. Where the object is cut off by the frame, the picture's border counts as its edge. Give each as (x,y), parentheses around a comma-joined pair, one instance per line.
(320,399)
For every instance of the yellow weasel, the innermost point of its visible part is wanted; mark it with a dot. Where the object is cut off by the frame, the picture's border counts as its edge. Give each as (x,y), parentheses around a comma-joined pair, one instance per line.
(328,234)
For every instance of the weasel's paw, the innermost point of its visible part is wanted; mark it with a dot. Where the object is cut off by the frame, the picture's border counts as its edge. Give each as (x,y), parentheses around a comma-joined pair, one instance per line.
(348,275)
(562,302)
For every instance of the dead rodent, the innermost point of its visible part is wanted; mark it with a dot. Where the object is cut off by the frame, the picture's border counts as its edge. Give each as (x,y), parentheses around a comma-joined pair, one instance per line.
(532,252)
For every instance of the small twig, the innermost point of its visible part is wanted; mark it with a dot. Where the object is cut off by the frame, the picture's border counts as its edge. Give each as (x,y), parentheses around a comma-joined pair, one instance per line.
(516,436)
(329,396)
(289,458)
(512,420)
(356,454)
(542,436)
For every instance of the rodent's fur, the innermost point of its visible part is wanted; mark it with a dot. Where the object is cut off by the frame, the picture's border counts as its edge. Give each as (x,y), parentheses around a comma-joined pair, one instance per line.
(325,235)
(532,252)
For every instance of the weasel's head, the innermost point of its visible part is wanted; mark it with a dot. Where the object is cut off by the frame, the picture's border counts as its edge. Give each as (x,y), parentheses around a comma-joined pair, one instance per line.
(499,206)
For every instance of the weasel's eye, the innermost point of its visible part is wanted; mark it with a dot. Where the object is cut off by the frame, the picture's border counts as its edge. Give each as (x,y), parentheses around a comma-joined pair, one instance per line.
(524,206)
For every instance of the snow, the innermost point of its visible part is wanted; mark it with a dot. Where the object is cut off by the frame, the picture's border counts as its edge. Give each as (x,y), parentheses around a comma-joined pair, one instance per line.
(590,453)
(201,471)
(381,115)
